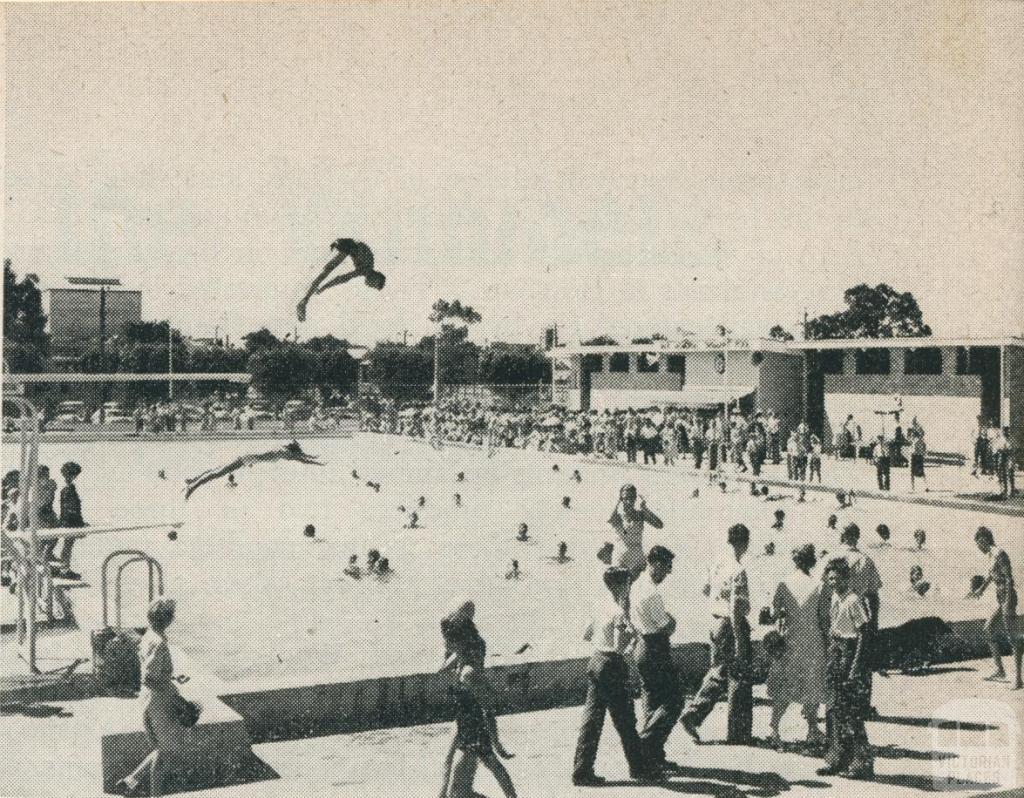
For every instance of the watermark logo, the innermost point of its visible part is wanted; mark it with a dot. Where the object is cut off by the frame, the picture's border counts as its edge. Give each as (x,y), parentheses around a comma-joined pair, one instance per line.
(976,745)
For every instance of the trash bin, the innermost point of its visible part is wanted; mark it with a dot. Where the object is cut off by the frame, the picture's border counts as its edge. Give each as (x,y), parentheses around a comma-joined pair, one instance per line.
(116,659)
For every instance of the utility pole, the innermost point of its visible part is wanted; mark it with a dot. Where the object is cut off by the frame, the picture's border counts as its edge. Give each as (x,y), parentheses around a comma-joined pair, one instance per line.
(103,351)
(170,363)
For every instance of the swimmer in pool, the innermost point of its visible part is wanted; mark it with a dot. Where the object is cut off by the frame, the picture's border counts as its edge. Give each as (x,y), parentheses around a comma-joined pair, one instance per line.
(372,561)
(515,573)
(780,520)
(919,539)
(563,553)
(628,519)
(883,536)
(917,581)
(523,535)
(577,477)
(353,569)
(231,481)
(567,502)
(458,499)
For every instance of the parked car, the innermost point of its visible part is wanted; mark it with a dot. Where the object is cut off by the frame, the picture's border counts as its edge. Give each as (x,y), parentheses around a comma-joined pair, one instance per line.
(296,410)
(69,413)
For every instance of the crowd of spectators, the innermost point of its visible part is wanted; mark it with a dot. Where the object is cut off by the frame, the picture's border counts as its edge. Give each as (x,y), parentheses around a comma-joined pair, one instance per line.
(650,435)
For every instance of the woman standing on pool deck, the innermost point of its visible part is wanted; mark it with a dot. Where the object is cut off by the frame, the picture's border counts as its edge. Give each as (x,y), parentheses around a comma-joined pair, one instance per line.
(161,696)
(476,729)
(628,519)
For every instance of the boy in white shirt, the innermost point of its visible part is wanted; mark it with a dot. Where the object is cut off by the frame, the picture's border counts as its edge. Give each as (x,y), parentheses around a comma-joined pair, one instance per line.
(846,686)
(662,698)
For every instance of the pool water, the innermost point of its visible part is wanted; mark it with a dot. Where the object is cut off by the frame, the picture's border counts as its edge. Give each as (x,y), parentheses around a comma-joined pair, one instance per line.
(258,599)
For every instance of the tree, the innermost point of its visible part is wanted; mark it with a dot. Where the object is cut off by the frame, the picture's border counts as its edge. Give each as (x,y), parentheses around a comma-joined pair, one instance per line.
(780,333)
(260,339)
(401,372)
(513,364)
(25,339)
(879,312)
(600,340)
(282,371)
(442,311)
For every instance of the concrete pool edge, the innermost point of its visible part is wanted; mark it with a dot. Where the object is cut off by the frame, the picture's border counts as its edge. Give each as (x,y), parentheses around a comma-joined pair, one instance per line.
(932,500)
(318,706)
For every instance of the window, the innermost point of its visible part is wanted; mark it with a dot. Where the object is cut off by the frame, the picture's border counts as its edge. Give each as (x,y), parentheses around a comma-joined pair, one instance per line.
(831,361)
(872,361)
(926,360)
(648,363)
(676,364)
(619,362)
(592,364)
(970,360)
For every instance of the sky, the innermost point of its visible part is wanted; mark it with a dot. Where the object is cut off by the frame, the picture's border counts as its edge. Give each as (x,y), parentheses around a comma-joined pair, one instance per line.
(610,167)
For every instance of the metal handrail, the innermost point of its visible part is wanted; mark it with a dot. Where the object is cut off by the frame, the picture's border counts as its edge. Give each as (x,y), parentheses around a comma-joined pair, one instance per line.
(151,566)
(135,554)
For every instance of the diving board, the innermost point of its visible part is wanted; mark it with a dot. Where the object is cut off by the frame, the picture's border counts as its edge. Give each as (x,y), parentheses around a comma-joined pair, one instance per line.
(54,533)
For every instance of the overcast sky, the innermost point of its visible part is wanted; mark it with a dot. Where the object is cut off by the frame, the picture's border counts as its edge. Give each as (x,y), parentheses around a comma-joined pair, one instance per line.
(610,166)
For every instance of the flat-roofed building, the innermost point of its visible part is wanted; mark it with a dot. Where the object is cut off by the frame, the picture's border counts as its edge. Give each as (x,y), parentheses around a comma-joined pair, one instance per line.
(77,307)
(759,374)
(951,385)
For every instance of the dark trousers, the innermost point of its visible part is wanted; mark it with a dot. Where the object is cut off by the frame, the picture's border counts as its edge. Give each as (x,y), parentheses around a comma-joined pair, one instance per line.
(630,450)
(800,467)
(847,705)
(790,466)
(882,471)
(662,695)
(870,652)
(815,468)
(713,457)
(698,456)
(728,676)
(607,676)
(776,452)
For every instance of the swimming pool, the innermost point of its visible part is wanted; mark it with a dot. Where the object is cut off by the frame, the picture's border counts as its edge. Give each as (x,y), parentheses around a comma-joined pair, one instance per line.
(259,600)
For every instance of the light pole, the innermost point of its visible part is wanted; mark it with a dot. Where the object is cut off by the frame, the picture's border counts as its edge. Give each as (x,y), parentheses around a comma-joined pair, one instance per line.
(170,362)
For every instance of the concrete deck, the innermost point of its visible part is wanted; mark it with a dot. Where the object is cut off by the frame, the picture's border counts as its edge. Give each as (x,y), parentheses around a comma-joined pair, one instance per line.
(947,731)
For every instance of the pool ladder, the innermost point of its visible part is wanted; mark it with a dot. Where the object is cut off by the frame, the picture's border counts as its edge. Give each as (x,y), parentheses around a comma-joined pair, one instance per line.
(129,557)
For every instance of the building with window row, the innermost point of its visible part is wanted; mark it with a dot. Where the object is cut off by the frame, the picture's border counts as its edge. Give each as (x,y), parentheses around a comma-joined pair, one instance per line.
(950,385)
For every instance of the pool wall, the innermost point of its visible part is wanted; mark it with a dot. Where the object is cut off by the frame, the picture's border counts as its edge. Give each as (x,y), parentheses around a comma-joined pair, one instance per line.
(316,706)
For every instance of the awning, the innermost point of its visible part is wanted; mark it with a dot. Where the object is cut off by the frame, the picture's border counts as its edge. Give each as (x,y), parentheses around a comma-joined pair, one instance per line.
(691,396)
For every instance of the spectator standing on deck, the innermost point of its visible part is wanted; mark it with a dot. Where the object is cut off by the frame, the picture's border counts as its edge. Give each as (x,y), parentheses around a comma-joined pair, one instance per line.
(918,450)
(698,443)
(729,673)
(798,675)
(476,729)
(161,718)
(814,459)
(662,698)
(864,582)
(70,513)
(847,694)
(669,443)
(772,431)
(1002,449)
(612,635)
(880,457)
(1004,618)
